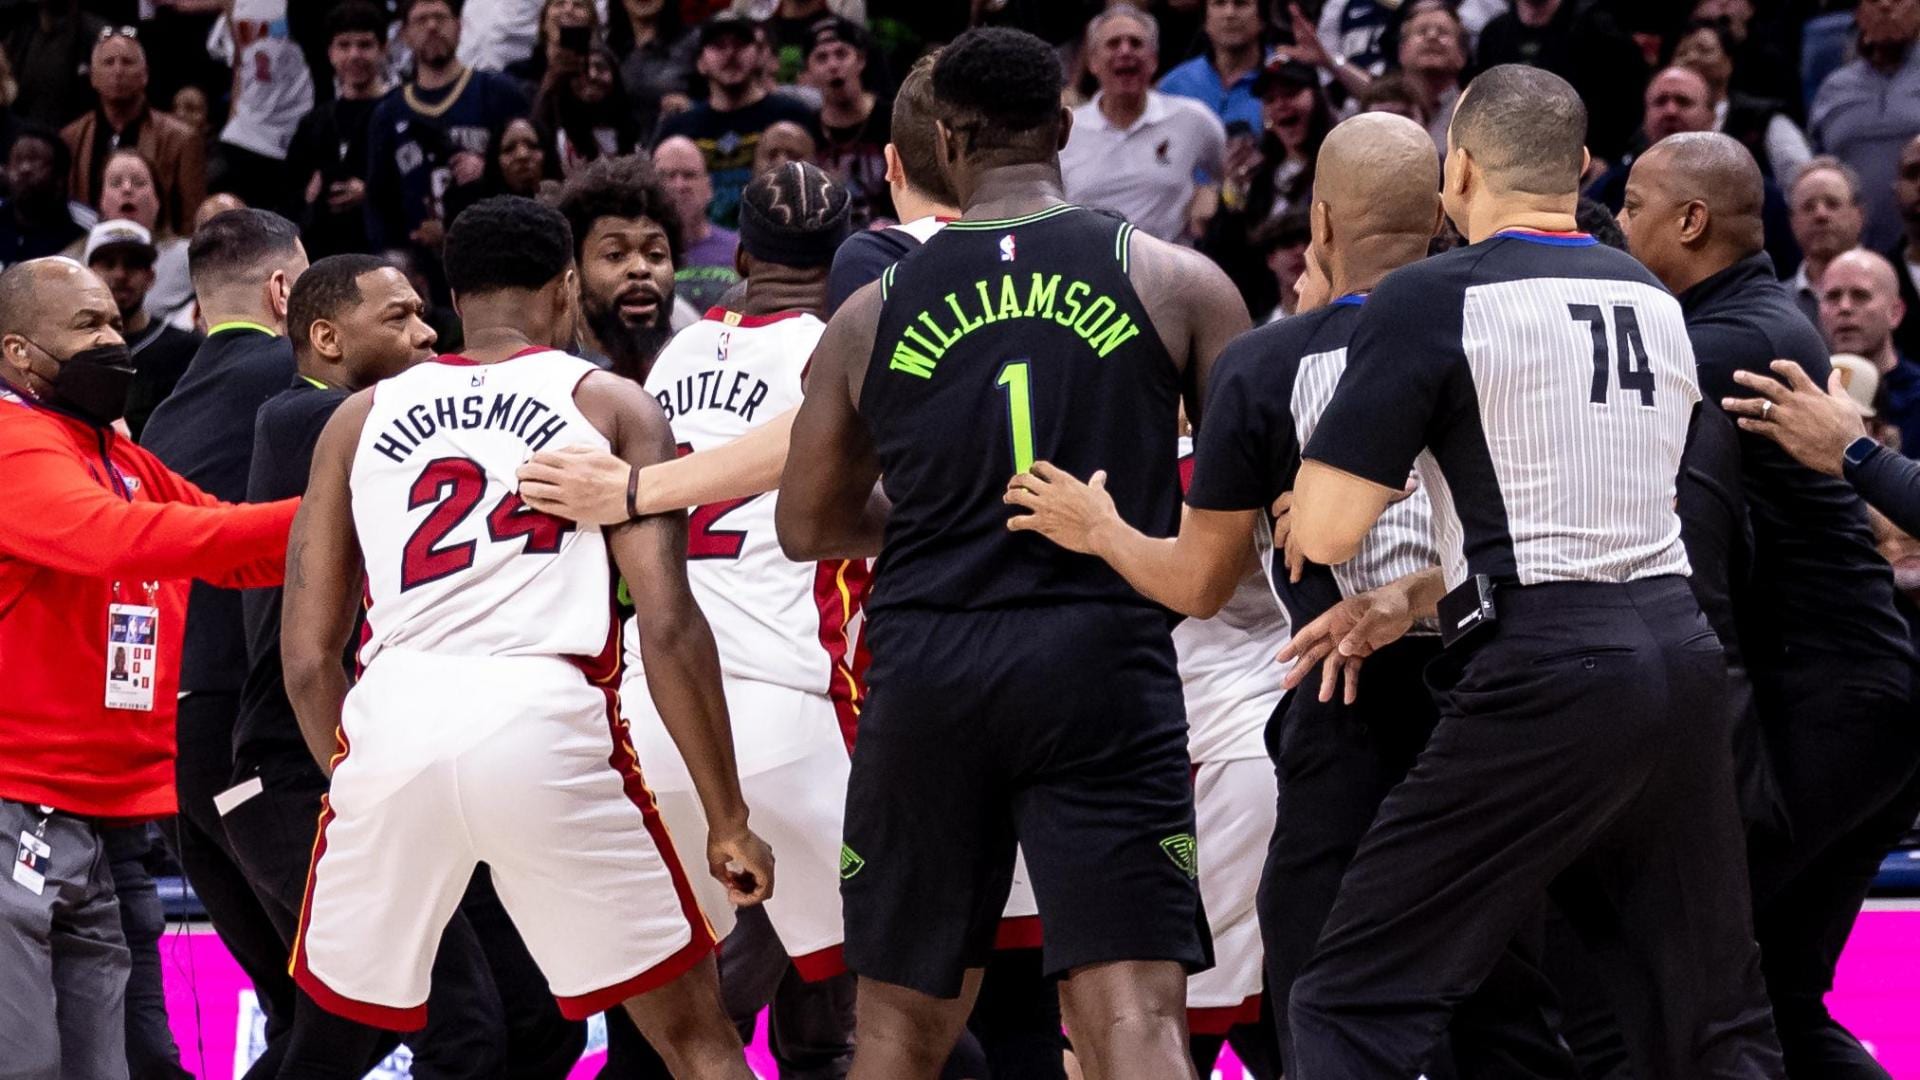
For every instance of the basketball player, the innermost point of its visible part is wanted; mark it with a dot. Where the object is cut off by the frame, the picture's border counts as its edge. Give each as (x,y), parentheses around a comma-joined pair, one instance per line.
(1018,694)
(1337,753)
(482,729)
(781,627)
(1545,385)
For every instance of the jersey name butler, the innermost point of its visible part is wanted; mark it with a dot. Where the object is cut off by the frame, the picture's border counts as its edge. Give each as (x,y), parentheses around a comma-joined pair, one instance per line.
(736,392)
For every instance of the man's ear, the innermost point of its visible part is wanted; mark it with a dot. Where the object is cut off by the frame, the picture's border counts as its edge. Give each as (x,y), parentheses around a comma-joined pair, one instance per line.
(323,337)
(1066,126)
(896,173)
(1320,226)
(1695,219)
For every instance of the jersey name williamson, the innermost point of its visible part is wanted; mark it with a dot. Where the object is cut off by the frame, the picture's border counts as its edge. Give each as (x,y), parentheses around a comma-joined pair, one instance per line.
(931,333)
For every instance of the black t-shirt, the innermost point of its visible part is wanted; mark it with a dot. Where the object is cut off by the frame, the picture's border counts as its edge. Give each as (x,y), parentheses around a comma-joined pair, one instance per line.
(18,242)
(161,354)
(204,432)
(862,258)
(855,156)
(1826,587)
(728,141)
(332,141)
(1000,343)
(286,431)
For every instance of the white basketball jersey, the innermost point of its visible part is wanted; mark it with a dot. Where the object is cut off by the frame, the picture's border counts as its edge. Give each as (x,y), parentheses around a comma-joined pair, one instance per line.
(774,620)
(456,564)
(1227,667)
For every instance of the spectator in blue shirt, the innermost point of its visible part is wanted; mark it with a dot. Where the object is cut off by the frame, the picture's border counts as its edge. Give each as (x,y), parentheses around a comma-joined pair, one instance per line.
(1221,78)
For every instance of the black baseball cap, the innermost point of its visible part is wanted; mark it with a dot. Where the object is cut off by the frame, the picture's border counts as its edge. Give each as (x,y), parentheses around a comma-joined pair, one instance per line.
(836,28)
(727,24)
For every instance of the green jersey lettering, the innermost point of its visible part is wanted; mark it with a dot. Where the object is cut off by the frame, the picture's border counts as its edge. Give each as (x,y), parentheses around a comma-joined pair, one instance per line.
(1080,288)
(1117,333)
(905,359)
(1040,297)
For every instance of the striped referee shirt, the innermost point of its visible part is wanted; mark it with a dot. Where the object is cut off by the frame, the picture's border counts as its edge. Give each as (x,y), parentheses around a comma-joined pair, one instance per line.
(1269,388)
(1543,384)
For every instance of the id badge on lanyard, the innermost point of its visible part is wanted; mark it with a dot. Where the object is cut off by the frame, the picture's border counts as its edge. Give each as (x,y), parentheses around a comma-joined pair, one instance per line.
(133,653)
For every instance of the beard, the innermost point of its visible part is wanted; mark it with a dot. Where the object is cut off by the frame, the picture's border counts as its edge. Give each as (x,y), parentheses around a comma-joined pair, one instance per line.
(630,348)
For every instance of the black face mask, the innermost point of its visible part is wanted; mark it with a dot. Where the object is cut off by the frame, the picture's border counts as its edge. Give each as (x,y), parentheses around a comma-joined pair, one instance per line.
(92,384)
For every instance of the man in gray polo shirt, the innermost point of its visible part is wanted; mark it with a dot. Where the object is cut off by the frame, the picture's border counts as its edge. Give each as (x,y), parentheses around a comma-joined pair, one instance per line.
(1138,153)
(1865,112)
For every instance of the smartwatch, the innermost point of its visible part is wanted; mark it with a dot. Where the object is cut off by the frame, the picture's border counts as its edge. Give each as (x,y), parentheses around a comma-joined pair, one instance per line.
(1858,451)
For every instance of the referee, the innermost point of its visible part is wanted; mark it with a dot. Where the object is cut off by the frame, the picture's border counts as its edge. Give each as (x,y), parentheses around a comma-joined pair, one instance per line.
(1545,385)
(1829,654)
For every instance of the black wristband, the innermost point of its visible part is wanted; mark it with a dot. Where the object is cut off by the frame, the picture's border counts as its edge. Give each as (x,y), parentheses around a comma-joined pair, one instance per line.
(633,492)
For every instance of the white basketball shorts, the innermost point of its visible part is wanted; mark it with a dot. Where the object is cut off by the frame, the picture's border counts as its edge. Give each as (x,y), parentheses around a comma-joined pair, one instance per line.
(550,798)
(1233,804)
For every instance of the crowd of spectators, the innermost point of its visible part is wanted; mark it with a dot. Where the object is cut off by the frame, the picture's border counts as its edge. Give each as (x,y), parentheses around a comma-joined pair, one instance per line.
(125,125)
(372,123)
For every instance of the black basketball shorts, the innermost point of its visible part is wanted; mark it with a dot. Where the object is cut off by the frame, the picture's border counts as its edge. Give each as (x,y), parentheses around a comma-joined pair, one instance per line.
(1060,728)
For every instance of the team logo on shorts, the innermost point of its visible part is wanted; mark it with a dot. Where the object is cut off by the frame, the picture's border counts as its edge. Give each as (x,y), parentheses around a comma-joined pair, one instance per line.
(1180,847)
(850,862)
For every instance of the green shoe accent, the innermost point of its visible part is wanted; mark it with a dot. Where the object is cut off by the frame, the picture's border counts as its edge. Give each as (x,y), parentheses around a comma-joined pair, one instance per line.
(1180,847)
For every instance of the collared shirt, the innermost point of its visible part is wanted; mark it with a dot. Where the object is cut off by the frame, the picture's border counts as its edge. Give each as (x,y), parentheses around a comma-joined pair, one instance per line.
(1199,80)
(1864,117)
(1145,172)
(1804,294)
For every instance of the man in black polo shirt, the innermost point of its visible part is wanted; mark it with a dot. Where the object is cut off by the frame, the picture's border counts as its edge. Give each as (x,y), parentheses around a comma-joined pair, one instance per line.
(1828,653)
(1544,386)
(243,263)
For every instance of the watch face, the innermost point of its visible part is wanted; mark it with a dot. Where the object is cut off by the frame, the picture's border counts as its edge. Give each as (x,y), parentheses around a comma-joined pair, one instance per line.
(1858,449)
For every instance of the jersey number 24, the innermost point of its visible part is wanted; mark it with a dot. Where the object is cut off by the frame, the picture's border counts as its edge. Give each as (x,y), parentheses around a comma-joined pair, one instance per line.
(454,486)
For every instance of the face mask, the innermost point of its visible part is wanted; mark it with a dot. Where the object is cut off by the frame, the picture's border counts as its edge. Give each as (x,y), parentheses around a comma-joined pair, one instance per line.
(92,384)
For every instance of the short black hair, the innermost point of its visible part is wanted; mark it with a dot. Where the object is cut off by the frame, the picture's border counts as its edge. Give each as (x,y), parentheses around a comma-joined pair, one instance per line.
(1597,221)
(232,247)
(913,134)
(795,215)
(357,17)
(62,157)
(617,187)
(1000,88)
(328,287)
(1291,229)
(1525,126)
(407,6)
(506,242)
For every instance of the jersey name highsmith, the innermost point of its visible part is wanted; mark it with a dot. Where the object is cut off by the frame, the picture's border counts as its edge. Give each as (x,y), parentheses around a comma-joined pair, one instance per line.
(522,415)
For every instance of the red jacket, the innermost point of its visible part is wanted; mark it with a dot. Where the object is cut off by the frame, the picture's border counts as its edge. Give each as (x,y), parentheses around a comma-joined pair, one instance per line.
(87,519)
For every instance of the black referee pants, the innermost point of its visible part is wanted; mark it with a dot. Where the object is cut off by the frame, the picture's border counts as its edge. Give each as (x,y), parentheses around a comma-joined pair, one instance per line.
(1336,764)
(1843,744)
(1582,748)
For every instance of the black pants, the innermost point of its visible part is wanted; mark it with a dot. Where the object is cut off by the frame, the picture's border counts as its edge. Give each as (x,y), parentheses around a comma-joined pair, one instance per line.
(151,1051)
(1336,764)
(1582,747)
(1843,744)
(203,770)
(489,1011)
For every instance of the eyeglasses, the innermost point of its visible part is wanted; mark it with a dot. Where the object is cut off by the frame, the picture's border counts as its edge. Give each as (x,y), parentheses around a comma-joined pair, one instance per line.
(108,33)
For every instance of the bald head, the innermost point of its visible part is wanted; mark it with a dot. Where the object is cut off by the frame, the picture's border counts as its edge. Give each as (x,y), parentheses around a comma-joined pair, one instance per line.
(51,309)
(1376,173)
(1860,305)
(1693,207)
(1678,100)
(214,206)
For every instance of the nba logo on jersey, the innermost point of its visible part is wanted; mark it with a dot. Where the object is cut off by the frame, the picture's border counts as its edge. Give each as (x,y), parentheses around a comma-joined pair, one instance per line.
(723,346)
(1006,248)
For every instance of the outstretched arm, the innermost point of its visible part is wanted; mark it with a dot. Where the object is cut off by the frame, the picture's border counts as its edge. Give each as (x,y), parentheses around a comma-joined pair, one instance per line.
(828,507)
(585,484)
(1193,573)
(322,596)
(676,644)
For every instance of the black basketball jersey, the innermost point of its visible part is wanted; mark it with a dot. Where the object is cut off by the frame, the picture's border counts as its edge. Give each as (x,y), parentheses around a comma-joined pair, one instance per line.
(1001,343)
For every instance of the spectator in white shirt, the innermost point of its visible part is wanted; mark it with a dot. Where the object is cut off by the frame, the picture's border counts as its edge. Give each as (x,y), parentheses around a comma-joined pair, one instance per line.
(1150,157)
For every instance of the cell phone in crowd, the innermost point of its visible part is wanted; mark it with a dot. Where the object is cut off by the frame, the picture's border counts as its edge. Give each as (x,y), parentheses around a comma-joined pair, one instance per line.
(576,39)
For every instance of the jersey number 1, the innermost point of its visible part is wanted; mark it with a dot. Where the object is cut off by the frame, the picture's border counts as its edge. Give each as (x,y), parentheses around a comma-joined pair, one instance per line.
(453,487)
(1015,378)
